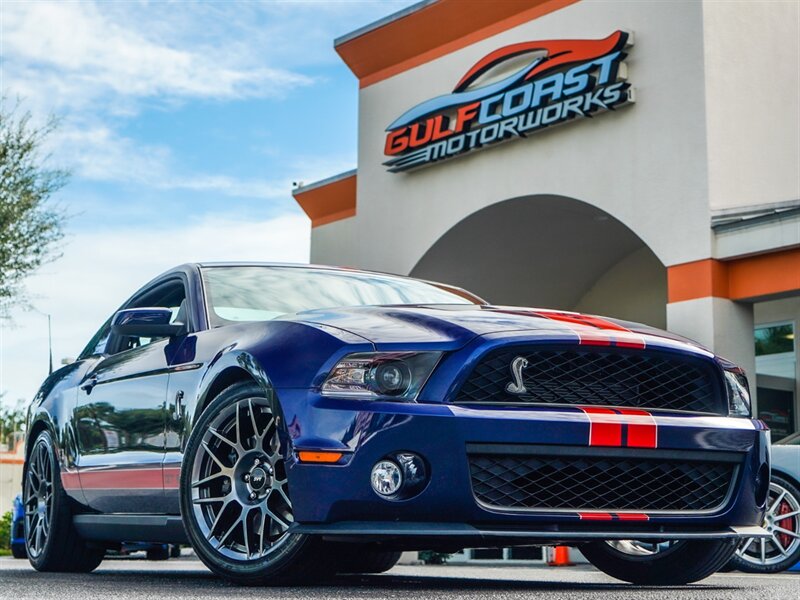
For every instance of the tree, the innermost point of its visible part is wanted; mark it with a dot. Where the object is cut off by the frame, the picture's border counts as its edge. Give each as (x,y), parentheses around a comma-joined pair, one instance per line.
(30,226)
(12,420)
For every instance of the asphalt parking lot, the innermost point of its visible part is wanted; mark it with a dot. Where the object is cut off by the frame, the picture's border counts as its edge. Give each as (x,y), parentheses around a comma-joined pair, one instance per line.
(187,579)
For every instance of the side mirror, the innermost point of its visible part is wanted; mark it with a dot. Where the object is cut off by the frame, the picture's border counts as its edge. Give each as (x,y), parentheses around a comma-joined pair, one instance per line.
(145,322)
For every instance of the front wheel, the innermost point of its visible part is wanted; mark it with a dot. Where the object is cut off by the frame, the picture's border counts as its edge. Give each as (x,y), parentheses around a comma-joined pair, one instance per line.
(235,497)
(665,563)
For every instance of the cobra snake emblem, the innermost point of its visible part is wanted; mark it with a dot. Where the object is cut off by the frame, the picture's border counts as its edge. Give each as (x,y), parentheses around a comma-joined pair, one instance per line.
(517,386)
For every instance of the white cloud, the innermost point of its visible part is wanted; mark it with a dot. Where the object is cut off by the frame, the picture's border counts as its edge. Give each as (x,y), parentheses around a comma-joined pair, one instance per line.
(77,55)
(97,153)
(99,270)
(98,64)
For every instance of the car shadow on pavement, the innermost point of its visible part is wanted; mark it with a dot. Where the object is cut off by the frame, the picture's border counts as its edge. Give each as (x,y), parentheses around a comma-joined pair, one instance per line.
(212,584)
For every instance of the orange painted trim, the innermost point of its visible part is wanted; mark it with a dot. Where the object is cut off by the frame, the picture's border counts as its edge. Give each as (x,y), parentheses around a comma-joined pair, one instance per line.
(698,279)
(329,202)
(308,456)
(748,278)
(13,459)
(434,31)
(764,275)
(344,214)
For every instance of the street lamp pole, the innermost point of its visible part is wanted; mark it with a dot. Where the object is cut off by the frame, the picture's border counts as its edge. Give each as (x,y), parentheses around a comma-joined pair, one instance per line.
(50,342)
(49,338)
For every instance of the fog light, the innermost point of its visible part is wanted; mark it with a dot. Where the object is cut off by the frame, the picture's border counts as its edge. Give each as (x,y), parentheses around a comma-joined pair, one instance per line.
(386,478)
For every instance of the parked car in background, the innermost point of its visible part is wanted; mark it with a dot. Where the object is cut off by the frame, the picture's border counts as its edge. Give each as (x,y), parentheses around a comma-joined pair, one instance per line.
(782,550)
(320,420)
(18,529)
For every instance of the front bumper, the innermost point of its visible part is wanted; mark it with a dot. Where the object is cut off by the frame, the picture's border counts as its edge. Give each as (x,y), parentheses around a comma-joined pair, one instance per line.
(465,535)
(337,500)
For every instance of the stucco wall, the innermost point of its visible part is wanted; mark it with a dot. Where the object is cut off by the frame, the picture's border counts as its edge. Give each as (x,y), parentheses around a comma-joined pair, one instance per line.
(645,164)
(752,64)
(634,289)
(10,483)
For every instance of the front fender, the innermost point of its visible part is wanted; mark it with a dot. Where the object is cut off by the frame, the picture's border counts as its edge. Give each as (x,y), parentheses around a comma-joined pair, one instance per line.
(230,365)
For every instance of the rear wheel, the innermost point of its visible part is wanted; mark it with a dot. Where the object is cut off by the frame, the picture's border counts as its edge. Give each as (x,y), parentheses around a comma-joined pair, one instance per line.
(51,541)
(782,520)
(158,553)
(18,551)
(364,558)
(235,495)
(665,563)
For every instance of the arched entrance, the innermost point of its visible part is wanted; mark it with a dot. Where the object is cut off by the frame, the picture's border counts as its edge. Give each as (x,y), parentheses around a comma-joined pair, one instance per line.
(551,252)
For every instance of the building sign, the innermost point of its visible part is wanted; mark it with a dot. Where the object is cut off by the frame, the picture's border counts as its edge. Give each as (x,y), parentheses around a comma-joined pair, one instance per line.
(550,82)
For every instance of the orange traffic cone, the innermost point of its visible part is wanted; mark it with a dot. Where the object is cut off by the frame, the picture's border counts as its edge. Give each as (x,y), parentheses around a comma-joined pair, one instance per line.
(560,557)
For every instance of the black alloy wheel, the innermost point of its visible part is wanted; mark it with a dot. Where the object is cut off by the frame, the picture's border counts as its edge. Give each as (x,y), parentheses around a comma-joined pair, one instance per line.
(51,541)
(235,497)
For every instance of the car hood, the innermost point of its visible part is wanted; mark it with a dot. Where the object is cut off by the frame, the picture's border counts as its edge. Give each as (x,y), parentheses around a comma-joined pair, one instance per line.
(448,327)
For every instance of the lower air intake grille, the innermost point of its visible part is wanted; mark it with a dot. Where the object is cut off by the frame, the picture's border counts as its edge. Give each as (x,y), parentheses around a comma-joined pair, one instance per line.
(600,483)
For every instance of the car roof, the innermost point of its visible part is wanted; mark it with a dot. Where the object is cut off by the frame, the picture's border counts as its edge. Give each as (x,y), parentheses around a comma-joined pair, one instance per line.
(203,265)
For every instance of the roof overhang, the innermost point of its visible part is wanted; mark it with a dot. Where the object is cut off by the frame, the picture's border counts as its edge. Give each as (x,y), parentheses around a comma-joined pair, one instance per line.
(430,29)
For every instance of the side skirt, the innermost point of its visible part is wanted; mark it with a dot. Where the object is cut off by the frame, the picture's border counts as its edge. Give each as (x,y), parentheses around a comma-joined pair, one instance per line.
(164,529)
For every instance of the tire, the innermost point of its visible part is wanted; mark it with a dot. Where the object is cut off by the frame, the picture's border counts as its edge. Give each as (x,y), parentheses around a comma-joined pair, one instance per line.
(776,559)
(728,567)
(18,551)
(363,558)
(235,453)
(51,541)
(158,553)
(175,551)
(680,563)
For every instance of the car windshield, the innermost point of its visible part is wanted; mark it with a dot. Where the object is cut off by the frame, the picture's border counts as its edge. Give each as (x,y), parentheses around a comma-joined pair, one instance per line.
(260,293)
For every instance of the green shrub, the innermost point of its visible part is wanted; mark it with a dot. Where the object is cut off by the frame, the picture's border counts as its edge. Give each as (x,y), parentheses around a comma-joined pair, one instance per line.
(5,531)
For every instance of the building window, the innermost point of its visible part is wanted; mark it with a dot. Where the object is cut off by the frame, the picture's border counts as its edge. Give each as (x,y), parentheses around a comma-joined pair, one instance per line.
(776,360)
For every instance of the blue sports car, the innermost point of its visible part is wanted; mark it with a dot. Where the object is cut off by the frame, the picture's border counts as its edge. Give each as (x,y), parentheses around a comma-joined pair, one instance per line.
(291,422)
(17,541)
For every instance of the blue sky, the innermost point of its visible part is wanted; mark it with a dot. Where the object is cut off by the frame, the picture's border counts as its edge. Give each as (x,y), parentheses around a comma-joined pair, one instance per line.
(184,125)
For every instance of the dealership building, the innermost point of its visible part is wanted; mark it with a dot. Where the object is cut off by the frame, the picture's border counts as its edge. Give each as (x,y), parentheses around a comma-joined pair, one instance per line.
(638,160)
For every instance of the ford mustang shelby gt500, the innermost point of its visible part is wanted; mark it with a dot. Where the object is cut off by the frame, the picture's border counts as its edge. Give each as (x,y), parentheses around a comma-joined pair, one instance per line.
(291,421)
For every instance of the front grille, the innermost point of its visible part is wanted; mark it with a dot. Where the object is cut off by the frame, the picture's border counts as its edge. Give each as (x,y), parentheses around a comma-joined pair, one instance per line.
(601,483)
(597,376)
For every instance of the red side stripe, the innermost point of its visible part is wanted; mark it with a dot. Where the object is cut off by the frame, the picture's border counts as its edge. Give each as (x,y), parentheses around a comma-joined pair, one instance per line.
(172,478)
(137,478)
(70,480)
(644,432)
(595,516)
(605,428)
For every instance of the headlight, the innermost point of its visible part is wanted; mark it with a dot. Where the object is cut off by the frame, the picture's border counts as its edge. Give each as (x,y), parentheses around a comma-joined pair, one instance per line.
(390,375)
(738,394)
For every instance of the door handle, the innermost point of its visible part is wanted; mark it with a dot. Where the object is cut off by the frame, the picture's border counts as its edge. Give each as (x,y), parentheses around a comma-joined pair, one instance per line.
(88,385)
